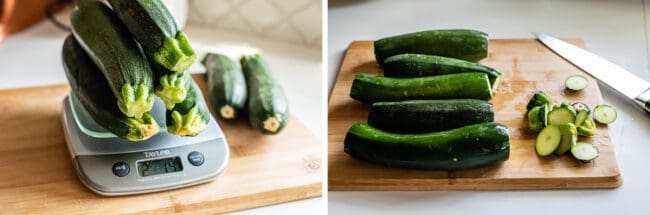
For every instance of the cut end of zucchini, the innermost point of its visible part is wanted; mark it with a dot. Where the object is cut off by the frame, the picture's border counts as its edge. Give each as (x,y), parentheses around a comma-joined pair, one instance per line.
(273,124)
(227,112)
(172,89)
(576,82)
(142,128)
(584,151)
(605,114)
(135,100)
(176,54)
(189,124)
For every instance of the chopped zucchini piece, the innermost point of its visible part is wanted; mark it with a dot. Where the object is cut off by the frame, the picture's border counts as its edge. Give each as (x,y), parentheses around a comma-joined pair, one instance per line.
(539,98)
(605,114)
(562,114)
(538,117)
(584,151)
(548,140)
(578,106)
(576,82)
(569,138)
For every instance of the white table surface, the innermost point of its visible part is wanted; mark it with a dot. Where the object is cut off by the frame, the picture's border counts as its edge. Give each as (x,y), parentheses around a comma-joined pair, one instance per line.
(33,58)
(615,30)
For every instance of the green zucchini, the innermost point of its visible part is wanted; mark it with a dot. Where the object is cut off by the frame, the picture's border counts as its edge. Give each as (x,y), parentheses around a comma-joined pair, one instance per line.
(418,65)
(371,88)
(154,28)
(538,117)
(461,148)
(424,116)
(226,85)
(538,98)
(191,116)
(170,86)
(469,45)
(116,54)
(90,87)
(268,108)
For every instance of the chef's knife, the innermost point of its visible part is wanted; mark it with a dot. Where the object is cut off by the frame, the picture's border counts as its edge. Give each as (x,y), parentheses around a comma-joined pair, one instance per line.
(611,74)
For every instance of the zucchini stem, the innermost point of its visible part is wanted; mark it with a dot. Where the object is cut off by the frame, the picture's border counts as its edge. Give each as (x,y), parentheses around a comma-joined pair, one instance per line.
(227,112)
(135,101)
(176,54)
(142,128)
(272,123)
(172,89)
(189,124)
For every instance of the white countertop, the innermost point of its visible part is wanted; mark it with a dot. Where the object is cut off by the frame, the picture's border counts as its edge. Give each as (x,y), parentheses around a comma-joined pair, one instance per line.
(615,30)
(33,58)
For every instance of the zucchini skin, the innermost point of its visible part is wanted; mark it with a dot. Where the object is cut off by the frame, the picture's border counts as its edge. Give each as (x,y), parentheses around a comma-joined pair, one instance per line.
(90,87)
(457,149)
(118,56)
(155,29)
(464,44)
(418,65)
(268,107)
(190,117)
(371,88)
(226,85)
(424,116)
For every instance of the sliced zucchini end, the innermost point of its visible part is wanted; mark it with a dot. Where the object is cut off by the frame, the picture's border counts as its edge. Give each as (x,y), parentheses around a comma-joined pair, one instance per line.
(576,82)
(227,112)
(142,128)
(189,124)
(135,101)
(172,89)
(605,114)
(273,124)
(176,54)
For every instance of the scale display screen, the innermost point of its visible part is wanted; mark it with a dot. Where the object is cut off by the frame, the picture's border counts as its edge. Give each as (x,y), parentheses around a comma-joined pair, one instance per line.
(159,166)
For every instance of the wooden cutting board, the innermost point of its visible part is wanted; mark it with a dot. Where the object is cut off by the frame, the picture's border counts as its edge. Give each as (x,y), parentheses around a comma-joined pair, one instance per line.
(527,66)
(37,175)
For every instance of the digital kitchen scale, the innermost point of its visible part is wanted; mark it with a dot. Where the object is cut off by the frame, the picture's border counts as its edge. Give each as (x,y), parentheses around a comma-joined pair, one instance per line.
(112,166)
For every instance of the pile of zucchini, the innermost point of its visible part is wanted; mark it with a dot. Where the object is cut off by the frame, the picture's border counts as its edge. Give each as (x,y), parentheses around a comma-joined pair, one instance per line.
(429,109)
(250,88)
(559,126)
(117,59)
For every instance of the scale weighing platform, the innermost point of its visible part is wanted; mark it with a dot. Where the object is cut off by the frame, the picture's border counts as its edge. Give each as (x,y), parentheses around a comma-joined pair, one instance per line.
(112,166)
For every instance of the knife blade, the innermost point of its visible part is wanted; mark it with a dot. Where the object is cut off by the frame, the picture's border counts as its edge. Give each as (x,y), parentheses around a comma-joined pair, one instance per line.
(607,72)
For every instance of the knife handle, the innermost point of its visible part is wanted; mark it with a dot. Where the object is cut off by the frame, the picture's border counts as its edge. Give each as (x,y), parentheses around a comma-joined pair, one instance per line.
(644,100)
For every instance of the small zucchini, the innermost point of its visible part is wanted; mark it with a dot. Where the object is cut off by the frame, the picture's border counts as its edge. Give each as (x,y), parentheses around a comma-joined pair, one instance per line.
(191,116)
(538,98)
(91,89)
(418,65)
(226,85)
(464,44)
(456,149)
(268,108)
(424,116)
(154,28)
(371,88)
(117,55)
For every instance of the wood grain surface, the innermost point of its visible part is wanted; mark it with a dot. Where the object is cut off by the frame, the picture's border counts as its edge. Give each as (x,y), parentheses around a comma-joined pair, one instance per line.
(37,175)
(527,66)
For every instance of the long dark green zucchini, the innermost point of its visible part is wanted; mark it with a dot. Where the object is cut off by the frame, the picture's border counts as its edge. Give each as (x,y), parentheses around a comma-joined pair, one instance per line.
(418,65)
(268,108)
(371,88)
(469,45)
(424,116)
(226,85)
(191,116)
(155,29)
(461,148)
(117,55)
(90,87)
(170,86)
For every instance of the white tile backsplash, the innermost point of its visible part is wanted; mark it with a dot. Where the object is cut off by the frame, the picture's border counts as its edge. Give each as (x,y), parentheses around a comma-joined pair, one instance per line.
(297,21)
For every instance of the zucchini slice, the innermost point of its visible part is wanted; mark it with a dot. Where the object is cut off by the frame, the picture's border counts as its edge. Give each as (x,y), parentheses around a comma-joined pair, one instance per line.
(155,29)
(578,106)
(191,116)
(569,138)
(371,88)
(268,108)
(91,89)
(604,114)
(538,117)
(562,114)
(548,140)
(461,148)
(118,56)
(226,85)
(584,151)
(538,98)
(423,116)
(418,65)
(576,82)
